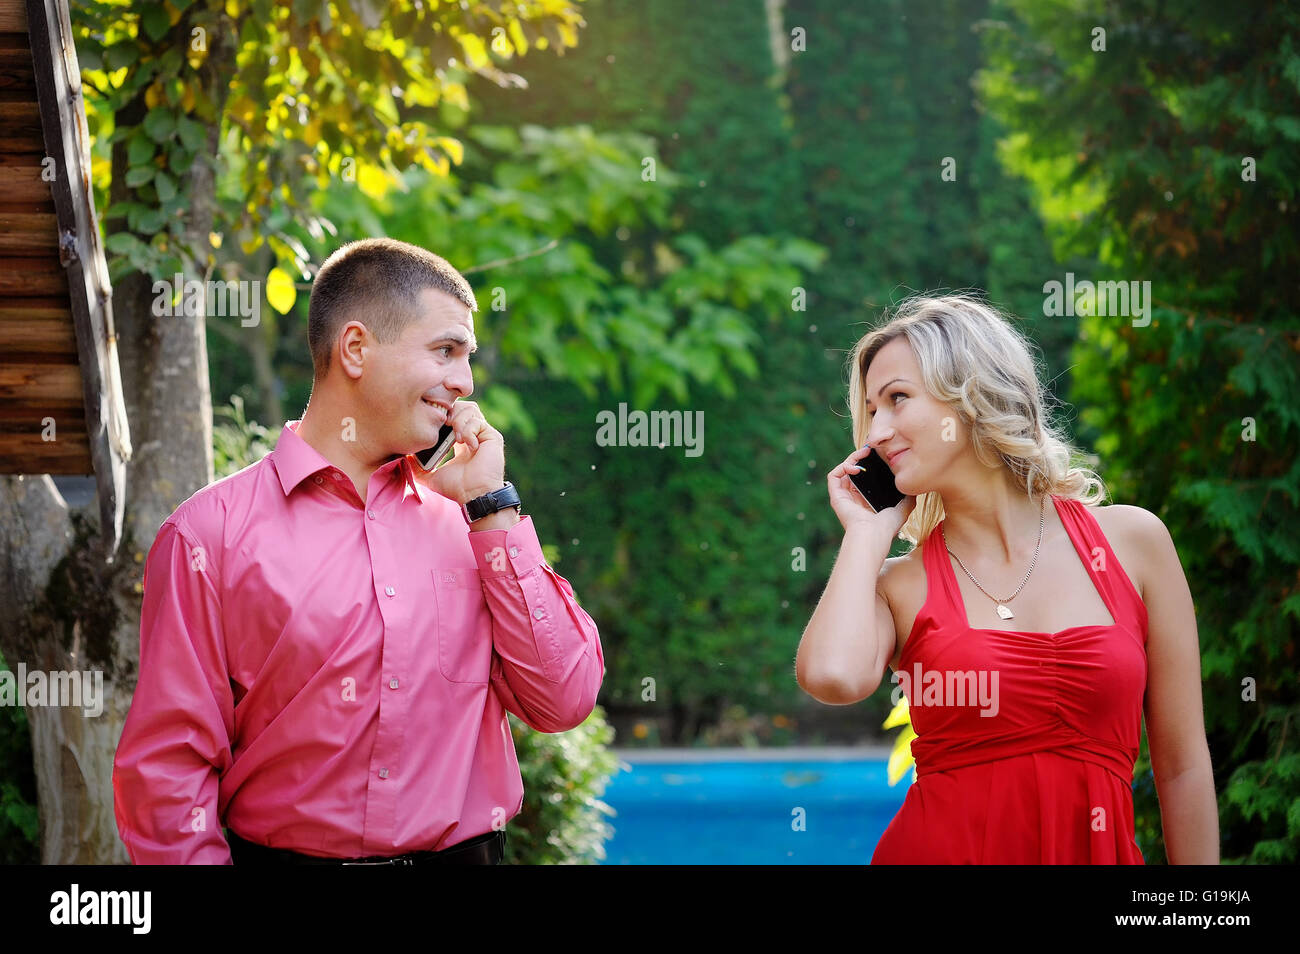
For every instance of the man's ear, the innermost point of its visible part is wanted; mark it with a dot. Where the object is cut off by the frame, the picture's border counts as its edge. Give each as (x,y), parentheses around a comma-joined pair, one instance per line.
(354,344)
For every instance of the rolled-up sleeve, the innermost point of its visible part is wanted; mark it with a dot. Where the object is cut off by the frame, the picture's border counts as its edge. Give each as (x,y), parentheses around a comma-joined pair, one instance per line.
(550,660)
(176,740)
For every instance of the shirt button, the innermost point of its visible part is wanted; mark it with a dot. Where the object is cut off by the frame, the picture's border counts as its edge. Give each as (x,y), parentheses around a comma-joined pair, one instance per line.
(370,514)
(514,551)
(383,773)
(390,591)
(538,614)
(319,479)
(337,476)
(392,684)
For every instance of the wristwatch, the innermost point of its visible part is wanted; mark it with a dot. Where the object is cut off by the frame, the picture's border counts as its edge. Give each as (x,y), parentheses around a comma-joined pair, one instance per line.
(490,503)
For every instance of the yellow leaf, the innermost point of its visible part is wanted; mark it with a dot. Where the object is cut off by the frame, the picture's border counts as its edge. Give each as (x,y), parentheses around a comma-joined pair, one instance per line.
(475,52)
(899,715)
(901,757)
(372,181)
(454,93)
(214,238)
(517,34)
(454,148)
(280,291)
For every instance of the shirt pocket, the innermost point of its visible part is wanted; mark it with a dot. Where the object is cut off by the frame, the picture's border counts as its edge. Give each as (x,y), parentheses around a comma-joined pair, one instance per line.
(464,626)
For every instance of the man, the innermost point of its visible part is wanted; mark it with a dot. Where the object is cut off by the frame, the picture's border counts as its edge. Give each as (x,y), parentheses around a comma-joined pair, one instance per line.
(330,638)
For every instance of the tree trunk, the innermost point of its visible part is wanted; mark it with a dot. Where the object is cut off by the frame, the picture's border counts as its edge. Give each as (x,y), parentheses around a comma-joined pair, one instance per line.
(67,608)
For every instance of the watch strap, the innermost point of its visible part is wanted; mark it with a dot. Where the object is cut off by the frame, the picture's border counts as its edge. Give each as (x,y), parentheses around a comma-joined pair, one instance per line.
(490,503)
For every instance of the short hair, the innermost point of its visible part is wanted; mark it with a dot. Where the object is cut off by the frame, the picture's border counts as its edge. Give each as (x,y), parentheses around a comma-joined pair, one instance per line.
(376,281)
(974,360)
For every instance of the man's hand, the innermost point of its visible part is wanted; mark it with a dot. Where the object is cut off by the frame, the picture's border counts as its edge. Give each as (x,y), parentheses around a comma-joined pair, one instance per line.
(479,466)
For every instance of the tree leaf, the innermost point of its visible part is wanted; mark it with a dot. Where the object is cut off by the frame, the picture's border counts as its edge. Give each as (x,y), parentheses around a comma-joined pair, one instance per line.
(280,291)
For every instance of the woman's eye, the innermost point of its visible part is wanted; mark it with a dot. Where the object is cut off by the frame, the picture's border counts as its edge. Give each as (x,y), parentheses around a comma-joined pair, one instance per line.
(897,394)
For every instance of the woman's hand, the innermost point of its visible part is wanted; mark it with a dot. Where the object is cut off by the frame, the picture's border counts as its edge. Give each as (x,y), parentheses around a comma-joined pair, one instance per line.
(852,508)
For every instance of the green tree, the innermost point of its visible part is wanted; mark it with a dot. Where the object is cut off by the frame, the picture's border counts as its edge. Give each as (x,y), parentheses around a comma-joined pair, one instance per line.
(1162,141)
(301,89)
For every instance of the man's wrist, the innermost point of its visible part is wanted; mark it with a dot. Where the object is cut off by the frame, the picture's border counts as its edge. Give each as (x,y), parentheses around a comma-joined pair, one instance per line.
(498,502)
(501,520)
(480,491)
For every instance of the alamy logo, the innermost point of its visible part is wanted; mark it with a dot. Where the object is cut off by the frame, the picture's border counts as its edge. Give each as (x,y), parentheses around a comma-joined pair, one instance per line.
(215,299)
(947,687)
(75,906)
(61,688)
(656,429)
(1108,299)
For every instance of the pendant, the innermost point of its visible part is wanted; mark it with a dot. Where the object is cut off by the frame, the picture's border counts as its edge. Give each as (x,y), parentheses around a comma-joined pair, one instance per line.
(1004,612)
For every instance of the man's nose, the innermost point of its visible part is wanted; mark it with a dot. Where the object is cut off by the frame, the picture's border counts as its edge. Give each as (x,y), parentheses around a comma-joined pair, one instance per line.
(461,380)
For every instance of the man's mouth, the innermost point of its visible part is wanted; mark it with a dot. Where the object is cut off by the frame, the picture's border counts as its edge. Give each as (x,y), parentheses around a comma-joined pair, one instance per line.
(439,405)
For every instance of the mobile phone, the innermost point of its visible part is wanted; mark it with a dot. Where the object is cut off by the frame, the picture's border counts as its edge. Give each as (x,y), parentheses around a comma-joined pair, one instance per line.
(431,457)
(875,481)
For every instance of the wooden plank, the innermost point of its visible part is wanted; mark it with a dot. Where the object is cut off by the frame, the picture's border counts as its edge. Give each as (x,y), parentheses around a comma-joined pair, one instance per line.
(21,118)
(23,190)
(67,140)
(26,420)
(23,453)
(36,309)
(38,337)
(29,233)
(16,70)
(27,277)
(13,16)
(21,146)
(28,384)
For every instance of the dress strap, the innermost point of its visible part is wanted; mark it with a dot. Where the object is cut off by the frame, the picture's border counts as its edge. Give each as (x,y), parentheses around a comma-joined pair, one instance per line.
(1112,581)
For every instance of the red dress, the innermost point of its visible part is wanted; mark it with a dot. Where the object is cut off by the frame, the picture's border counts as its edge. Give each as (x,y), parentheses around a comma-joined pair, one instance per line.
(1046,777)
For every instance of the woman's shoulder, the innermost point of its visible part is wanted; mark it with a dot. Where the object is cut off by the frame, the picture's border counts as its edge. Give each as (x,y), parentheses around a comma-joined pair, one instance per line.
(1127,518)
(1134,533)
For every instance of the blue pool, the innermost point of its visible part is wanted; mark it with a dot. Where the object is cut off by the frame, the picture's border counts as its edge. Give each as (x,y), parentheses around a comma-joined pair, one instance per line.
(738,806)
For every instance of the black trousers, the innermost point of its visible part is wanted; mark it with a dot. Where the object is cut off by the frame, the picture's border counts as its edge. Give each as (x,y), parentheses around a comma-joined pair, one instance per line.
(485,849)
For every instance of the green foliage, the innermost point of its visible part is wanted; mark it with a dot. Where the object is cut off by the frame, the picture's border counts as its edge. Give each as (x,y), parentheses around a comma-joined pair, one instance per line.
(641,310)
(238,442)
(19,823)
(565,773)
(322,92)
(690,565)
(1139,157)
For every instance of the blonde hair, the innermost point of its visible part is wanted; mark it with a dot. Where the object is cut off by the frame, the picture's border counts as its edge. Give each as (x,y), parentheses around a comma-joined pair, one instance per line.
(974,360)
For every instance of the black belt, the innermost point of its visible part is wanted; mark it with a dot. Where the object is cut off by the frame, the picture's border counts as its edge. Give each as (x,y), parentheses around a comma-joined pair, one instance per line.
(485,849)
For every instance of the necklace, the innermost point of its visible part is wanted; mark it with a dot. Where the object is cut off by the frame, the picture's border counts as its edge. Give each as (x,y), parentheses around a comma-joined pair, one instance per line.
(1004,611)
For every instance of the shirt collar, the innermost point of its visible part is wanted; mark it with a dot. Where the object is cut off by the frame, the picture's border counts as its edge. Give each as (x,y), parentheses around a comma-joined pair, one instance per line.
(296,460)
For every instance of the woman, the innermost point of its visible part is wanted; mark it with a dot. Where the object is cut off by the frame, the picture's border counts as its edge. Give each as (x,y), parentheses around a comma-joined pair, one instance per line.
(1028,625)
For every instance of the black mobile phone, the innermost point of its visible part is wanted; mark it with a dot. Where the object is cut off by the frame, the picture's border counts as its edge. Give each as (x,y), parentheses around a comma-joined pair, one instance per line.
(875,481)
(431,457)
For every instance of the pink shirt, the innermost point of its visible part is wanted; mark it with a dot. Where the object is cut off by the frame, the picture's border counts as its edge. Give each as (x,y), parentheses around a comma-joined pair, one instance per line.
(332,677)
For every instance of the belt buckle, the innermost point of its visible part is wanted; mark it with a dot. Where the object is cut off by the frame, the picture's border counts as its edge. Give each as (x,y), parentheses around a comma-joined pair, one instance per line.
(398,860)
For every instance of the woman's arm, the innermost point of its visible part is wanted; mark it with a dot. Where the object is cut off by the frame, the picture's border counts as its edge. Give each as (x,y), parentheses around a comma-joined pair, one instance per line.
(1180,757)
